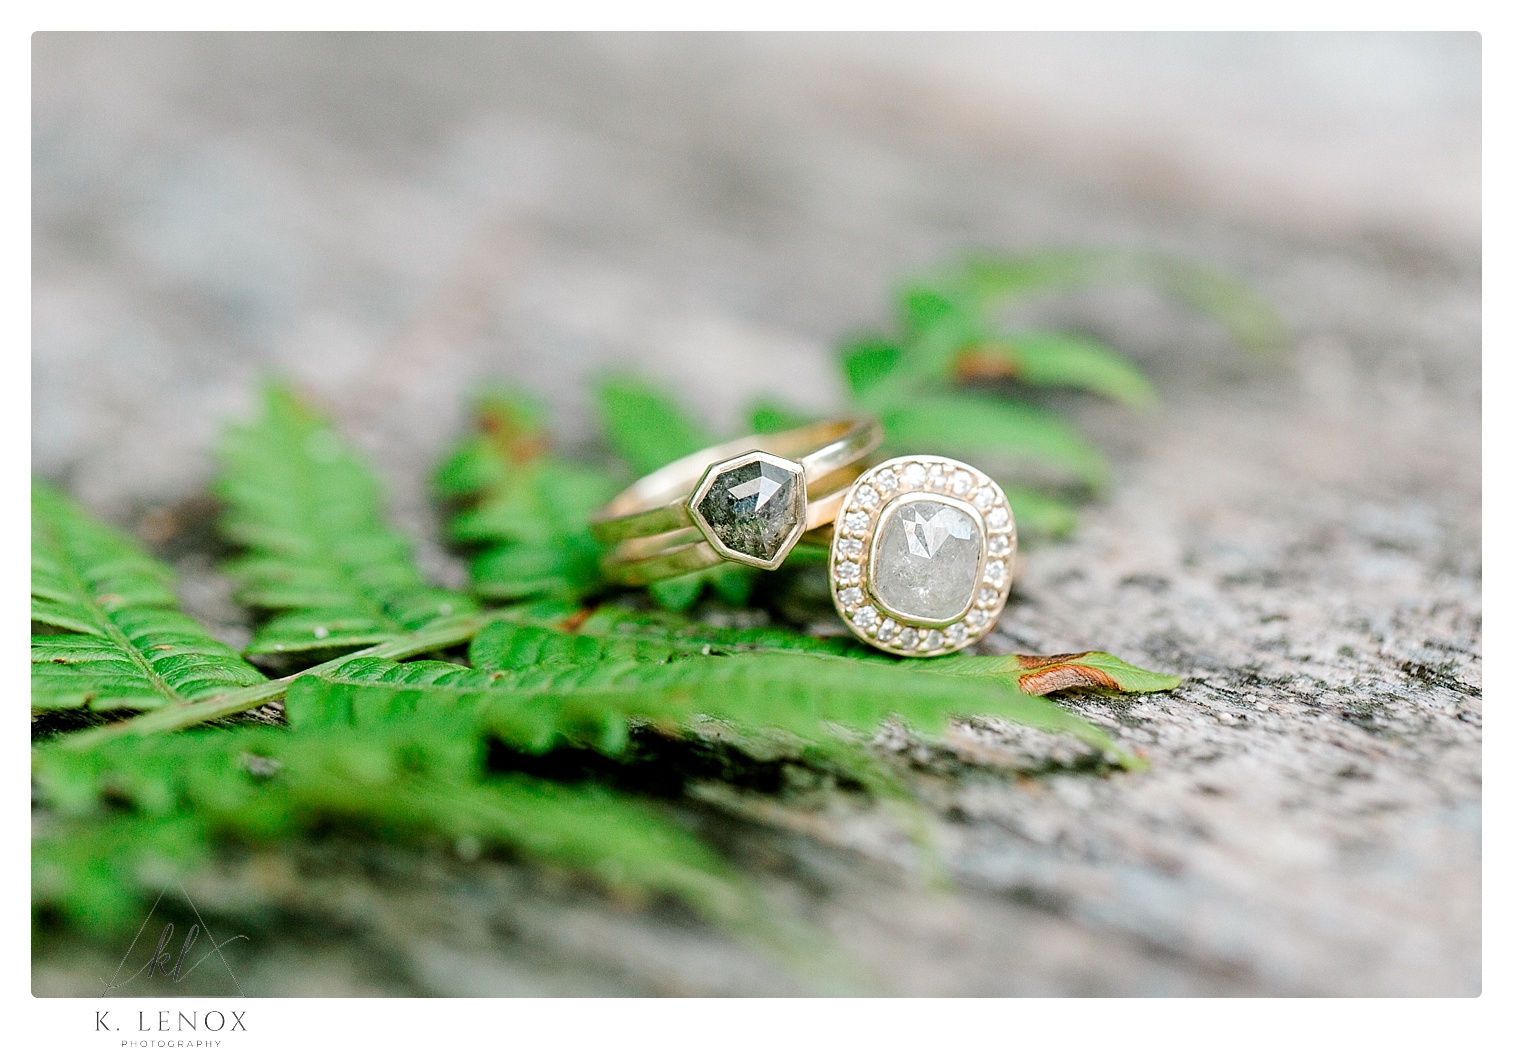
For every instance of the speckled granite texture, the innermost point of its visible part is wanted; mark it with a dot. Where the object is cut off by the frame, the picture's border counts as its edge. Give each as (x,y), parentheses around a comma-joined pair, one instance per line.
(389,220)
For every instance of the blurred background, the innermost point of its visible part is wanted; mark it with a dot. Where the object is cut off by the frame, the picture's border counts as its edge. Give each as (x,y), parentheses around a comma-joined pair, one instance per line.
(390,219)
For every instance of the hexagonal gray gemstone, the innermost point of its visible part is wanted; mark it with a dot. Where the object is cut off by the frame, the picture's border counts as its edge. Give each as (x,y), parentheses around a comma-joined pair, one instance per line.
(753,508)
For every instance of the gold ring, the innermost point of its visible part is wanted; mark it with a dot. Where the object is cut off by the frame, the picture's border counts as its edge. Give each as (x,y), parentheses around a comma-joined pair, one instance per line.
(746,501)
(922,555)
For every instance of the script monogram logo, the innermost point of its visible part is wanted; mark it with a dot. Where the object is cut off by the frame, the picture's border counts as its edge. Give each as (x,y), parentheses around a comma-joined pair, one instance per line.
(170,965)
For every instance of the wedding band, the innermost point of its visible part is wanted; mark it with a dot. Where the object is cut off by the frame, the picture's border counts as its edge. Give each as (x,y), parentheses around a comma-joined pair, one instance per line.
(922,556)
(746,501)
(638,561)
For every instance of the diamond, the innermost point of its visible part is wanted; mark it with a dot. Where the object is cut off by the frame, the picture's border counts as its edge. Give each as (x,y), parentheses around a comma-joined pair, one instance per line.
(987,597)
(908,638)
(993,573)
(976,618)
(848,571)
(850,597)
(866,497)
(864,617)
(753,509)
(886,630)
(856,521)
(925,559)
(998,518)
(937,478)
(998,544)
(985,499)
(850,547)
(913,474)
(961,482)
(956,632)
(887,481)
(931,641)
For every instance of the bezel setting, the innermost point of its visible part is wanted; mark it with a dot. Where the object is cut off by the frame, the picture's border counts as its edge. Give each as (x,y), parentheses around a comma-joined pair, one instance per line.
(879,491)
(800,510)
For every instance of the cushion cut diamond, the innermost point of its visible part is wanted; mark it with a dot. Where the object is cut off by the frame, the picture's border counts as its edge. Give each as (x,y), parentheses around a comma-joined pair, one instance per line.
(926,559)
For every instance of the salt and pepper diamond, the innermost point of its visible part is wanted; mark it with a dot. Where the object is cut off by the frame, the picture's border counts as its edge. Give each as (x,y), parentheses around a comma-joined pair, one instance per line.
(751,508)
(922,560)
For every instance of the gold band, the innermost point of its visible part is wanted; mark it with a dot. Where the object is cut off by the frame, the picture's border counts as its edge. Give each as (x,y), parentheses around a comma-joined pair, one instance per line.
(669,523)
(659,502)
(638,561)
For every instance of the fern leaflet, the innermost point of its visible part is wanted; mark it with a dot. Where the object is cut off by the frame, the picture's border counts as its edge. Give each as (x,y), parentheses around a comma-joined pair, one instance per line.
(802,693)
(319,554)
(110,631)
(524,510)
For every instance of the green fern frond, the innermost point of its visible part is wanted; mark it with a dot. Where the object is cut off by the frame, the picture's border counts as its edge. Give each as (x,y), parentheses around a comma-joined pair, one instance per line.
(128,816)
(646,634)
(111,634)
(524,510)
(804,694)
(1053,359)
(533,710)
(535,688)
(319,554)
(949,332)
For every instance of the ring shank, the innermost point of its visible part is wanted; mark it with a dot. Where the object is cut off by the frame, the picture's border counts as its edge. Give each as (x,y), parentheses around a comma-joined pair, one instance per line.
(656,503)
(647,558)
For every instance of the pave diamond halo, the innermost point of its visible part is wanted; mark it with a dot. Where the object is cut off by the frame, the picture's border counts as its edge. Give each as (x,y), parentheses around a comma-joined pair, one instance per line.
(923,556)
(751,508)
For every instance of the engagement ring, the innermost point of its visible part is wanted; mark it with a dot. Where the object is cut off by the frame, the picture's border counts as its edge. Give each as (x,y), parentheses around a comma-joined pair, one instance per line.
(922,556)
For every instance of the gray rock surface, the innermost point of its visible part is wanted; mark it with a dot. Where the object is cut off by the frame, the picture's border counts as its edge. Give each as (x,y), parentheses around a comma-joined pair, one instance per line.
(390,220)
